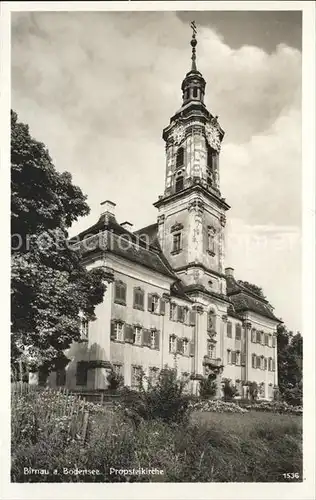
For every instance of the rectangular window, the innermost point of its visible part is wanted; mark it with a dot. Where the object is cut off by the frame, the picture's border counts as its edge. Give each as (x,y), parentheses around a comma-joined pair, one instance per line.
(211,240)
(243,359)
(120,293)
(229,356)
(176,242)
(139,299)
(238,358)
(153,375)
(210,349)
(185,315)
(137,335)
(262,338)
(61,377)
(119,332)
(233,357)
(185,346)
(265,363)
(153,303)
(229,330)
(273,365)
(81,373)
(258,337)
(238,332)
(273,341)
(258,362)
(253,335)
(153,339)
(266,339)
(172,344)
(173,311)
(136,376)
(270,340)
(254,361)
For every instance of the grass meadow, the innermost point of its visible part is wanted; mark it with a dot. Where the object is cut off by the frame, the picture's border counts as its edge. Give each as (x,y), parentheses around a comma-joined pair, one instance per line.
(207,447)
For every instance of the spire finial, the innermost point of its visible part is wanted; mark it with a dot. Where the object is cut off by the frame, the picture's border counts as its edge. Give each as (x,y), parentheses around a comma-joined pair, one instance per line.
(193,45)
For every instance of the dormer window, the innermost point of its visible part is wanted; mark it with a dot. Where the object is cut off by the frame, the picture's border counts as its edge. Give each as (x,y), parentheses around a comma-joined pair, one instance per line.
(180,157)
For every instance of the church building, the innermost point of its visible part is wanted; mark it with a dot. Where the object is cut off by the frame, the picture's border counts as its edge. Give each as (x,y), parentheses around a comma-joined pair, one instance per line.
(170,301)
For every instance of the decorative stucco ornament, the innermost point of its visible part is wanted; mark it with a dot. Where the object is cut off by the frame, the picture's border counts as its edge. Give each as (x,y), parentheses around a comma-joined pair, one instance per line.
(178,134)
(213,136)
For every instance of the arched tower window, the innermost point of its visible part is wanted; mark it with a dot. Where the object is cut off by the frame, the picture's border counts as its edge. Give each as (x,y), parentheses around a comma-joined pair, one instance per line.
(180,157)
(179,182)
(195,92)
(210,156)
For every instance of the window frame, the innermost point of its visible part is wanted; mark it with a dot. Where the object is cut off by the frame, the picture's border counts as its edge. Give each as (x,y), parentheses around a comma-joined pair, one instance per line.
(177,242)
(139,292)
(120,286)
(172,343)
(121,324)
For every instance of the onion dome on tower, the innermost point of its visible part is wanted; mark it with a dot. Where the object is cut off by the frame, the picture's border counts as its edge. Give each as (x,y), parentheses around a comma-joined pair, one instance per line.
(193,86)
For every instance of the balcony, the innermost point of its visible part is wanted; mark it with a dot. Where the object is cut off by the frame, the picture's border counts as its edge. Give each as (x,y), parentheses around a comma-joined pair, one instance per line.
(212,362)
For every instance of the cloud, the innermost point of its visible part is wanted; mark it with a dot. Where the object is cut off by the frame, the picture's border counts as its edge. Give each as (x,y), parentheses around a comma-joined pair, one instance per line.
(98,88)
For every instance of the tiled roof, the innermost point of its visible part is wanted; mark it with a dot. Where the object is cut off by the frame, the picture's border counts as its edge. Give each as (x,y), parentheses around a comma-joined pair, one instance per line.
(245,300)
(152,233)
(108,235)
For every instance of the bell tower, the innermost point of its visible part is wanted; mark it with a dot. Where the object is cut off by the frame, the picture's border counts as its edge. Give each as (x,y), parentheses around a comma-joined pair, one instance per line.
(191,216)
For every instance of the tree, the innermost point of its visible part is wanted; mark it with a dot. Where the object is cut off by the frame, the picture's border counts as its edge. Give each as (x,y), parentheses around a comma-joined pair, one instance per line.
(290,365)
(252,288)
(49,284)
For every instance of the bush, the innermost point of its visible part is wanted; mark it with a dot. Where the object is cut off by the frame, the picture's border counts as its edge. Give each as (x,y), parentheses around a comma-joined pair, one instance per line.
(165,400)
(217,406)
(208,388)
(229,390)
(115,381)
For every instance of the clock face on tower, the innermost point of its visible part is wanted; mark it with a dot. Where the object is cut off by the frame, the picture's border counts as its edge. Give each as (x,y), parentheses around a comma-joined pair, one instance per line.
(178,134)
(213,136)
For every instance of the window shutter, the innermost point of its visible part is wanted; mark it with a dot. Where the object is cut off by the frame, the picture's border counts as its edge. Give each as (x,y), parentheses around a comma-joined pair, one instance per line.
(273,341)
(192,318)
(146,337)
(180,313)
(162,307)
(157,336)
(128,333)
(229,329)
(265,363)
(254,363)
(113,334)
(179,345)
(191,348)
(150,302)
(238,332)
(135,300)
(273,365)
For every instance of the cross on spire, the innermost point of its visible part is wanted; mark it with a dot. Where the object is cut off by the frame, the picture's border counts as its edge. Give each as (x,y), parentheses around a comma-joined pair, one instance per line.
(193,45)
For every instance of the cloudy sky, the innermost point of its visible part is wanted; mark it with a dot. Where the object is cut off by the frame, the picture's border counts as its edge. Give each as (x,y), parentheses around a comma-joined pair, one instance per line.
(98,88)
